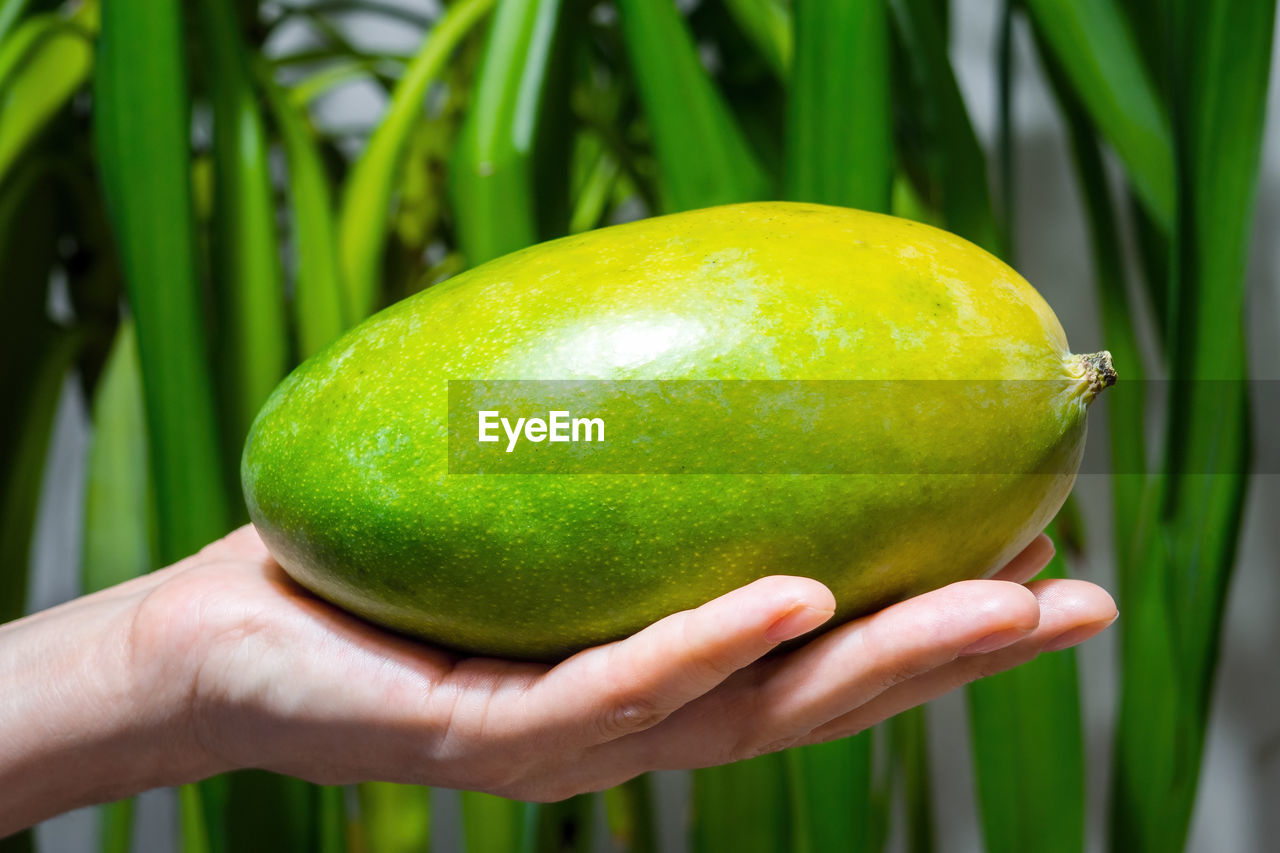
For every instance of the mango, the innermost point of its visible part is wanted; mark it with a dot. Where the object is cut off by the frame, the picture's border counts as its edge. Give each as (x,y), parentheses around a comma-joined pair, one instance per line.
(946,475)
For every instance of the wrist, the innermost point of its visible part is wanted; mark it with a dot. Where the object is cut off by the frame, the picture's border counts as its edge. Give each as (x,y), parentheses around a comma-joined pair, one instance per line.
(82,720)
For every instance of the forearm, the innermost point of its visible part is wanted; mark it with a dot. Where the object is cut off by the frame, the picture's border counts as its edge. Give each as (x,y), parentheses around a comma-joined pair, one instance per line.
(78,721)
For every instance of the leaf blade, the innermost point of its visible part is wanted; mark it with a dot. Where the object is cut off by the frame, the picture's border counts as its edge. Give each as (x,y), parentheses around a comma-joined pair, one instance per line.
(1028,739)
(42,66)
(366,200)
(492,188)
(839,144)
(248,281)
(704,158)
(141,121)
(1185,548)
(319,299)
(954,161)
(1098,53)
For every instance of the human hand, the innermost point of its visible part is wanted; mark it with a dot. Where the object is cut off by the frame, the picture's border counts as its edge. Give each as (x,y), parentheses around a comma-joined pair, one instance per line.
(222,661)
(278,679)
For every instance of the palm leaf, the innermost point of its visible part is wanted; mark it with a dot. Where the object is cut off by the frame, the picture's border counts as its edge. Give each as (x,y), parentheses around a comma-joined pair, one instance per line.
(11,12)
(1029,755)
(493,175)
(767,23)
(369,189)
(251,338)
(1186,543)
(839,123)
(1092,41)
(394,818)
(931,106)
(42,64)
(704,157)
(319,296)
(742,807)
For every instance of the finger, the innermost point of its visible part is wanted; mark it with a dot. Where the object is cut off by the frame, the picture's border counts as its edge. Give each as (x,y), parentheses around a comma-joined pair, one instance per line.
(847,667)
(854,664)
(1070,612)
(1029,561)
(625,687)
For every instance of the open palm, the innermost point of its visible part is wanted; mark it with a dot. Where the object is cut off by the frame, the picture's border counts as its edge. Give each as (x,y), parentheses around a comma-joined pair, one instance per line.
(273,677)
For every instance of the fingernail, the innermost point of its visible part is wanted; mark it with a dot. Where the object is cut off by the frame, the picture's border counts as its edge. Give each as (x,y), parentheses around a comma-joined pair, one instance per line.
(1074,637)
(800,619)
(991,642)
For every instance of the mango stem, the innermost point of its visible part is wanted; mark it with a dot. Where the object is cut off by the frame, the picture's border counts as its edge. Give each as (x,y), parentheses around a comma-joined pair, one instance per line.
(1098,371)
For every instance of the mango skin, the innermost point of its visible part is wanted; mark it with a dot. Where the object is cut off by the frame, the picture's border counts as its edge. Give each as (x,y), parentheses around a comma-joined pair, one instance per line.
(345,469)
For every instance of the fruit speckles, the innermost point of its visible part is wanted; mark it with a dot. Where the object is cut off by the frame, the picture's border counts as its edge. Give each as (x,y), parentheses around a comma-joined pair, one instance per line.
(346,469)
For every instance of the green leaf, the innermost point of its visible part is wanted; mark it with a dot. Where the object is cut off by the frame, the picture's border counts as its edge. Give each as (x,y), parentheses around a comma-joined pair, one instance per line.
(596,188)
(704,158)
(629,810)
(493,825)
(366,201)
(767,23)
(319,302)
(194,801)
(743,807)
(320,83)
(839,126)
(116,827)
(1155,255)
(331,823)
(28,235)
(562,827)
(1149,24)
(493,170)
(119,507)
(42,64)
(394,818)
(1092,41)
(929,100)
(270,813)
(1185,546)
(24,462)
(908,735)
(141,131)
(10,14)
(251,341)
(832,799)
(1028,752)
(422,207)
